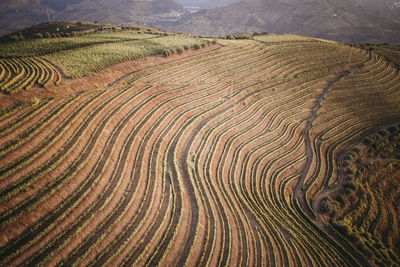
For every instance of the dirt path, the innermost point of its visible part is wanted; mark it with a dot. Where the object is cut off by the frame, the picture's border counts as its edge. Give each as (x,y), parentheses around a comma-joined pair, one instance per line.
(299,192)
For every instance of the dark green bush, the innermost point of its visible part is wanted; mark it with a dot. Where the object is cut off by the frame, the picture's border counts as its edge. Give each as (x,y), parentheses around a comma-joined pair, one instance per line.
(341,228)
(14,38)
(351,185)
(167,52)
(38,35)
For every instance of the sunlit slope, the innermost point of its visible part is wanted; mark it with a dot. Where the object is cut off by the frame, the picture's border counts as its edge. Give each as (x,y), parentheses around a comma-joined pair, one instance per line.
(214,159)
(43,62)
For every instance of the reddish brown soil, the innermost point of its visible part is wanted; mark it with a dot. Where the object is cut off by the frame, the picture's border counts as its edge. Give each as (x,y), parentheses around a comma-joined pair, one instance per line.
(98,80)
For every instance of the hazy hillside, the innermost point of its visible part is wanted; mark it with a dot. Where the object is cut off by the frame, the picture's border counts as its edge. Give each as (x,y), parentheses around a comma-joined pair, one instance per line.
(351,21)
(19,14)
(205,3)
(342,20)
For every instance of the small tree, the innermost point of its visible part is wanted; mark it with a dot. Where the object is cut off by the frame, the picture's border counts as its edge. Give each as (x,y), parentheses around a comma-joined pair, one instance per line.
(38,35)
(14,38)
(167,52)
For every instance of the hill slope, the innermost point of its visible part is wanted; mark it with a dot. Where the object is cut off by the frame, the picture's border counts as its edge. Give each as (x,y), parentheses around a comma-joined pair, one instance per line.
(16,15)
(223,157)
(348,21)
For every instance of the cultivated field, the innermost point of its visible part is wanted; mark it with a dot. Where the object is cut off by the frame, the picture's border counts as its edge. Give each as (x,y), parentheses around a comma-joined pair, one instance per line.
(236,157)
(26,63)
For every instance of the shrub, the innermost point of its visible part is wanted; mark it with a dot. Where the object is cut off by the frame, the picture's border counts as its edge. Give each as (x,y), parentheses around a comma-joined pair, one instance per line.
(35,101)
(203,45)
(383,133)
(196,46)
(368,141)
(342,200)
(346,163)
(186,47)
(214,42)
(325,206)
(14,38)
(67,34)
(47,35)
(351,186)
(230,37)
(348,157)
(350,171)
(354,237)
(38,35)
(167,52)
(180,50)
(364,249)
(341,228)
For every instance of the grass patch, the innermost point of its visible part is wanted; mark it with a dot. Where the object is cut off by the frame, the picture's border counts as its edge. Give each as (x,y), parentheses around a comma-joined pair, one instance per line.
(87,60)
(277,38)
(40,47)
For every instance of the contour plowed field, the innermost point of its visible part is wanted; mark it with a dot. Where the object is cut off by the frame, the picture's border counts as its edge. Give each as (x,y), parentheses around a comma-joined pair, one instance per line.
(220,158)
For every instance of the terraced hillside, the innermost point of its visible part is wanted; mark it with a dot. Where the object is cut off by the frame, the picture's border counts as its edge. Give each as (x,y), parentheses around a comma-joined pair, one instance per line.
(43,62)
(219,158)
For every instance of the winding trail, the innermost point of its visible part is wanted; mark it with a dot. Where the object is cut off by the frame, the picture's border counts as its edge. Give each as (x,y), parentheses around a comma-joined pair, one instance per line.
(299,192)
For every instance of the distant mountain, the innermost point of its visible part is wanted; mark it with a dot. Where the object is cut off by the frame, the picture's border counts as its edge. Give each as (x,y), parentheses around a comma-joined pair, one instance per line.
(205,3)
(19,14)
(342,20)
(3,32)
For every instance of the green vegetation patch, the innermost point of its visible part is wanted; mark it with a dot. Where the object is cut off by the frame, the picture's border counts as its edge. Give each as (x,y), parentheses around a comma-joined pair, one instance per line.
(365,210)
(41,47)
(80,62)
(276,38)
